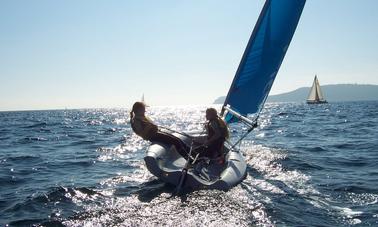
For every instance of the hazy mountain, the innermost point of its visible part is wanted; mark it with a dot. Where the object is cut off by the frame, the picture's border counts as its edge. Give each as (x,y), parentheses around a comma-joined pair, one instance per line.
(332,93)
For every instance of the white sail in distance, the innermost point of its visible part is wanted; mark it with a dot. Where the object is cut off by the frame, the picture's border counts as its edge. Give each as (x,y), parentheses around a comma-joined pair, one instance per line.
(143,101)
(316,94)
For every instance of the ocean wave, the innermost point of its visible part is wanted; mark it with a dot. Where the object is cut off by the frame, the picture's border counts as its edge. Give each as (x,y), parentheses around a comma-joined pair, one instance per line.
(27,222)
(27,140)
(356,189)
(23,158)
(306,166)
(36,125)
(82,142)
(72,164)
(56,194)
(58,200)
(8,181)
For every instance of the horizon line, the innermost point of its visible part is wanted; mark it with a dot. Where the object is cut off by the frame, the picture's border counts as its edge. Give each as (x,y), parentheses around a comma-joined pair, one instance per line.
(181,105)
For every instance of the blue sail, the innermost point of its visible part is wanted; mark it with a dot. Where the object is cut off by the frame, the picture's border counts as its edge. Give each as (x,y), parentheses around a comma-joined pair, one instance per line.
(263,56)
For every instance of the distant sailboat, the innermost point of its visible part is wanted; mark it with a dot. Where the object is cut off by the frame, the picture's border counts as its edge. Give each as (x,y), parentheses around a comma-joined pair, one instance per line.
(143,101)
(316,95)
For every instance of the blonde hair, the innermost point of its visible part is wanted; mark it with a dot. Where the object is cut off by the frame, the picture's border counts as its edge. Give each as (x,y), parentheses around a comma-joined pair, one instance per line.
(213,112)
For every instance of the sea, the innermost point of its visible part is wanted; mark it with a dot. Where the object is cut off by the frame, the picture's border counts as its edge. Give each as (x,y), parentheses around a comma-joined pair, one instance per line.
(308,165)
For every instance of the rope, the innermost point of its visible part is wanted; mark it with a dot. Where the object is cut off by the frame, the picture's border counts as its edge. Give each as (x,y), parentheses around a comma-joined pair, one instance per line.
(181,133)
(245,134)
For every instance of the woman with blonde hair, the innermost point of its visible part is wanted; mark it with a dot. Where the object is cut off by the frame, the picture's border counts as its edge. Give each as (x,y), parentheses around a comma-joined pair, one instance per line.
(217,133)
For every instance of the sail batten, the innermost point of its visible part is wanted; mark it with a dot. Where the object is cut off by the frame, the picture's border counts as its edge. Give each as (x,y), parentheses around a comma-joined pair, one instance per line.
(263,56)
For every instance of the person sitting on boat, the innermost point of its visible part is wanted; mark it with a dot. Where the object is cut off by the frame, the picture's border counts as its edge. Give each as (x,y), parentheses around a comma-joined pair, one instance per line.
(145,128)
(217,133)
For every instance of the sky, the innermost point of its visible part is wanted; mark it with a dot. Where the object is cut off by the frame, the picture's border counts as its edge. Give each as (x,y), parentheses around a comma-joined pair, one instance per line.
(103,54)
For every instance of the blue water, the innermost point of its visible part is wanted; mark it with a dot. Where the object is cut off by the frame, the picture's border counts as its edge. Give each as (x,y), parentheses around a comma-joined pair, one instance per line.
(308,165)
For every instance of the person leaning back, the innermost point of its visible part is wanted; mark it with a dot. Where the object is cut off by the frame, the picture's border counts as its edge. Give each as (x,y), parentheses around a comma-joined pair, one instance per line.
(145,128)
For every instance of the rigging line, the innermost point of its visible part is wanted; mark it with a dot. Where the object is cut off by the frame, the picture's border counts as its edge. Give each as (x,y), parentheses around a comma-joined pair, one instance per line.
(181,133)
(245,134)
(252,126)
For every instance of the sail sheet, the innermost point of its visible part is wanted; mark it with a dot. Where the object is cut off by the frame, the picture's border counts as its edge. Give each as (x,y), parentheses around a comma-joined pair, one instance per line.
(263,56)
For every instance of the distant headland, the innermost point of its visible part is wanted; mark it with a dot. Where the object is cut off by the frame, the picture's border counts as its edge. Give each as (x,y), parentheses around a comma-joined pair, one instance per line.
(332,93)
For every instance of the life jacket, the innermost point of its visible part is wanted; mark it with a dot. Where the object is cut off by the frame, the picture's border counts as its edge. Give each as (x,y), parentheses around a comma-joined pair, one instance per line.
(221,125)
(148,128)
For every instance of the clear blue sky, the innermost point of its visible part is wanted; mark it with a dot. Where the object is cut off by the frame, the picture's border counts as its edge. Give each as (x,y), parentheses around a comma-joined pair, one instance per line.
(76,54)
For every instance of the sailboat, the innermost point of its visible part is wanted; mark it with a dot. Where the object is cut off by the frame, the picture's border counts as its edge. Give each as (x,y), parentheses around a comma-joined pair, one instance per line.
(252,82)
(143,101)
(316,95)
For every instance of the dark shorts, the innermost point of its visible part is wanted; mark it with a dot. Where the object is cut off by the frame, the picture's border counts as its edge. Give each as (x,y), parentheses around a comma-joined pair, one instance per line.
(166,138)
